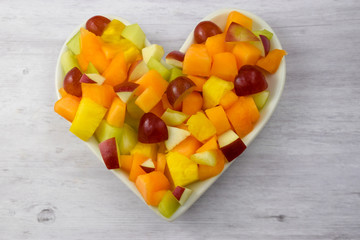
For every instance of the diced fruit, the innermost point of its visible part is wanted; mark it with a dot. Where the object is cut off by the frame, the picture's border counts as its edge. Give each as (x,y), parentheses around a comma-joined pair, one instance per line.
(149,184)
(192,103)
(110,153)
(197,61)
(246,54)
(174,73)
(74,44)
(224,66)
(67,107)
(201,127)
(182,194)
(148,100)
(126,162)
(206,172)
(178,89)
(249,81)
(116,114)
(105,131)
(218,118)
(133,110)
(87,118)
(123,45)
(175,58)
(242,115)
(168,205)
(152,79)
(136,169)
(214,89)
(116,72)
(266,44)
(260,99)
(199,82)
(156,65)
(215,44)
(68,61)
(231,145)
(112,32)
(228,99)
(125,90)
(97,24)
(239,18)
(148,166)
(173,118)
(101,94)
(209,145)
(92,78)
(147,149)
(128,139)
(183,171)
(176,136)
(272,61)
(238,33)
(264,32)
(137,70)
(204,30)
(187,147)
(158,110)
(153,51)
(152,129)
(205,158)
(72,83)
(161,162)
(134,34)
(62,92)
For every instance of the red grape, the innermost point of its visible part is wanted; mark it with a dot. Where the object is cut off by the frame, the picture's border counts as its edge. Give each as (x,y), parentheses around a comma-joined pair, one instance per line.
(72,83)
(249,81)
(266,43)
(204,30)
(152,129)
(97,24)
(178,89)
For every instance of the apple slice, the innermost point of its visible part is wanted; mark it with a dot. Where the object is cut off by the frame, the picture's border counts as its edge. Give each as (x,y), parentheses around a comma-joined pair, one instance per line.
(261,98)
(238,33)
(152,129)
(231,145)
(105,131)
(74,43)
(175,73)
(176,136)
(68,61)
(137,70)
(148,166)
(92,78)
(205,158)
(159,67)
(110,153)
(178,89)
(173,118)
(128,139)
(154,50)
(182,194)
(175,58)
(134,34)
(168,204)
(125,90)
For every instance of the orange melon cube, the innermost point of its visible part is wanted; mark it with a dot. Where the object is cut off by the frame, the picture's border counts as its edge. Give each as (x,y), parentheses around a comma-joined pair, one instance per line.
(209,145)
(126,162)
(242,115)
(246,54)
(67,106)
(148,99)
(199,82)
(136,169)
(158,110)
(218,118)
(197,61)
(161,162)
(228,99)
(206,172)
(239,18)
(192,103)
(116,114)
(101,94)
(116,72)
(150,184)
(224,66)
(62,92)
(187,147)
(272,61)
(215,44)
(152,79)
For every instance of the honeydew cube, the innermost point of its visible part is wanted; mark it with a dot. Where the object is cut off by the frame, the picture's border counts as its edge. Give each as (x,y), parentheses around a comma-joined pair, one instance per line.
(159,67)
(134,34)
(154,50)
(74,44)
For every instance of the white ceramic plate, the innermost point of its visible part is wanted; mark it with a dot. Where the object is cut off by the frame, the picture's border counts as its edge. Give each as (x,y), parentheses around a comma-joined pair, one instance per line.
(275,81)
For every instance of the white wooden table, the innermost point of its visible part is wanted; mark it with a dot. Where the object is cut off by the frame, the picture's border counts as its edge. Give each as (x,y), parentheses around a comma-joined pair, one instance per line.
(300,179)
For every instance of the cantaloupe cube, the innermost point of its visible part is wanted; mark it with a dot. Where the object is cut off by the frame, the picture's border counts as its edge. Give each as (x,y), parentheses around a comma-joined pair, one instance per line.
(218,118)
(215,44)
(101,94)
(206,172)
(197,61)
(239,18)
(67,106)
(224,66)
(116,113)
(246,54)
(116,72)
(148,99)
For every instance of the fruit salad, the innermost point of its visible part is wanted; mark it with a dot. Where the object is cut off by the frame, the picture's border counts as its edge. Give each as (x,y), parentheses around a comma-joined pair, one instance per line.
(166,122)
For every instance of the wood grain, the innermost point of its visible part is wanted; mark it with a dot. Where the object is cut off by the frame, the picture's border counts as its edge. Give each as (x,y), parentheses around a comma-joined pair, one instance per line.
(300,179)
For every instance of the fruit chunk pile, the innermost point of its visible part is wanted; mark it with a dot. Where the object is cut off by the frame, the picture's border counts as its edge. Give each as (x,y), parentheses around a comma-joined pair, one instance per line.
(166,123)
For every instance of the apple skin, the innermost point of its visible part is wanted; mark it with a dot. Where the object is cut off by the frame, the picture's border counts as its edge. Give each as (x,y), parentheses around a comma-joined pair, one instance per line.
(137,70)
(126,87)
(148,166)
(178,191)
(152,129)
(175,58)
(85,79)
(178,89)
(266,43)
(234,149)
(238,33)
(109,153)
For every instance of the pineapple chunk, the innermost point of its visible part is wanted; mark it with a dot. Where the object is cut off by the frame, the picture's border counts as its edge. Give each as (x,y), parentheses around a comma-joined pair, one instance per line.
(214,89)
(183,171)
(201,127)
